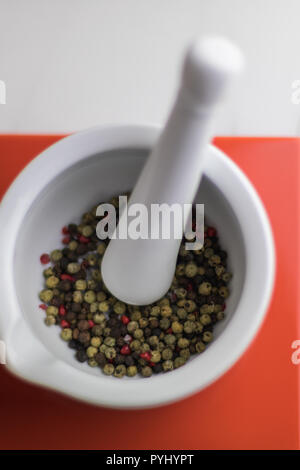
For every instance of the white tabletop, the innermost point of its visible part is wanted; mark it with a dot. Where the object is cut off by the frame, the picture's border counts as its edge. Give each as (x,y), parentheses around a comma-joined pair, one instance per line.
(72,64)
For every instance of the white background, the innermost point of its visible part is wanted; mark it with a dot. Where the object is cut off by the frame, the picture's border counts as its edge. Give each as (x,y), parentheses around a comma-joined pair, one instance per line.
(72,64)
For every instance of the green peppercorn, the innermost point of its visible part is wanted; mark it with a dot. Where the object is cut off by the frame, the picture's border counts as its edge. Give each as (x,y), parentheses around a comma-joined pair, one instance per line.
(89,296)
(226,277)
(46,295)
(179,361)
(48,272)
(138,333)
(167,354)
(108,369)
(167,365)
(96,341)
(164,323)
(177,327)
(104,306)
(91,351)
(183,343)
(205,309)
(166,311)
(110,341)
(132,325)
(135,345)
(55,255)
(182,313)
(96,275)
(52,310)
(220,316)
(73,268)
(145,347)
(189,326)
(50,320)
(155,311)
(66,334)
(110,353)
(191,270)
(200,346)
(155,356)
(120,371)
(131,371)
(207,336)
(224,292)
(208,252)
(143,322)
(101,296)
(73,245)
(52,281)
(181,293)
(136,315)
(185,353)
(81,284)
(169,339)
(146,371)
(99,318)
(77,297)
(153,341)
(205,319)
(92,362)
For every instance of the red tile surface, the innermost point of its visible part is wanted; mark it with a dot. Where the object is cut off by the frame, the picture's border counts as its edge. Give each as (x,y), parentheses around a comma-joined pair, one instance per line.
(254,406)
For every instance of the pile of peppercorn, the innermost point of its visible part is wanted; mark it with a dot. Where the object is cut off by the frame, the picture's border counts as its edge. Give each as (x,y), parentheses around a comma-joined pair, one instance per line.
(123,339)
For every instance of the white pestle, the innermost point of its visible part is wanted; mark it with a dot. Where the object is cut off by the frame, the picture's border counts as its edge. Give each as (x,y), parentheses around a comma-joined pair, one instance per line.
(140,271)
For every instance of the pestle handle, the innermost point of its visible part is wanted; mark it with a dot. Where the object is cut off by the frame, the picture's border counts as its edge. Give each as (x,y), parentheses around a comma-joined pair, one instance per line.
(140,271)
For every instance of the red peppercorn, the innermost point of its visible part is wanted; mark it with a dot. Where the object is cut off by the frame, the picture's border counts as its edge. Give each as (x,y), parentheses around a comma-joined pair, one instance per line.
(169,331)
(125,350)
(66,240)
(65,230)
(62,311)
(91,323)
(67,277)
(211,232)
(223,307)
(125,319)
(44,258)
(146,355)
(43,306)
(189,287)
(151,364)
(64,324)
(83,239)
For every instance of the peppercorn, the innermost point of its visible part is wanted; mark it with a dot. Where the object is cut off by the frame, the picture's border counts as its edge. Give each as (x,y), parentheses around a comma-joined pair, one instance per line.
(207,336)
(73,268)
(109,341)
(169,339)
(146,371)
(84,337)
(167,365)
(100,359)
(200,346)
(50,320)
(167,354)
(120,371)
(131,371)
(177,327)
(185,353)
(81,355)
(224,292)
(164,323)
(96,341)
(108,369)
(46,295)
(104,306)
(191,269)
(89,296)
(132,325)
(155,356)
(179,361)
(51,310)
(205,319)
(110,353)
(166,311)
(119,308)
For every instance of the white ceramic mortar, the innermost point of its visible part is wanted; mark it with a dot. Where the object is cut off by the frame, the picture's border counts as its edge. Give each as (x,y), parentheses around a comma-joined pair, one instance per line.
(55,189)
